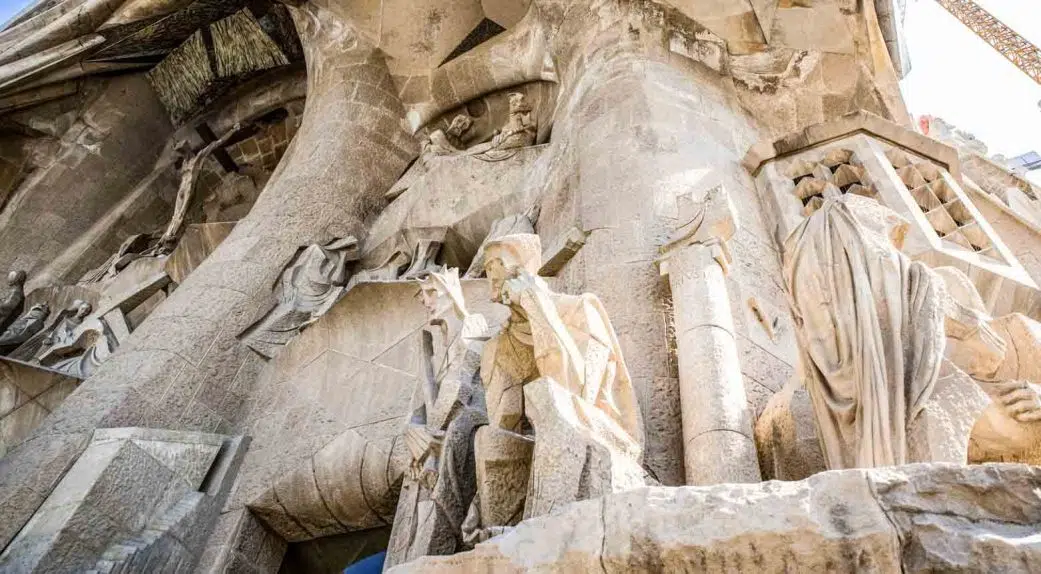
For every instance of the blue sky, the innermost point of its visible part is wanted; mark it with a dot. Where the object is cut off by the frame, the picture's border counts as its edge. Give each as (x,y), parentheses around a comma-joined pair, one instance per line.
(9,8)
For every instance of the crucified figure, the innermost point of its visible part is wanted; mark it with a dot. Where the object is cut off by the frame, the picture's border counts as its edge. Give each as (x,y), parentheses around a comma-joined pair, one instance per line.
(190,172)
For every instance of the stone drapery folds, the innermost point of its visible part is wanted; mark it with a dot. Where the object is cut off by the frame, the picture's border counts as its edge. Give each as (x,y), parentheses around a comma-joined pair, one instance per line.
(870,325)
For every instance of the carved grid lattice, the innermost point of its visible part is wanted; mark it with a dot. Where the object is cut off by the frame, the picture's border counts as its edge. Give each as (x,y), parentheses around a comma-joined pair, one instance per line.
(952,221)
(837,172)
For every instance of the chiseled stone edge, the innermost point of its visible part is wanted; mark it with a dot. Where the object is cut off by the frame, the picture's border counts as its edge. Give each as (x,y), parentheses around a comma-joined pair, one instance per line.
(855,122)
(881,520)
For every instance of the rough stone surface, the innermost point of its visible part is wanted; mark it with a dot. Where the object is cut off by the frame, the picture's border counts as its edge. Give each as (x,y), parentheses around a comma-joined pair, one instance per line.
(918,518)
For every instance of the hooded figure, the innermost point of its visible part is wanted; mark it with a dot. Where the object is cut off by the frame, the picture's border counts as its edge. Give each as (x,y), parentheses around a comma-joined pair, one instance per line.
(870,325)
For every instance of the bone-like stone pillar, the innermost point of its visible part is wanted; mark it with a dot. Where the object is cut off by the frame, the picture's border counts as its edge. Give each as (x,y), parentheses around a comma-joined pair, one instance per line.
(183,368)
(718,444)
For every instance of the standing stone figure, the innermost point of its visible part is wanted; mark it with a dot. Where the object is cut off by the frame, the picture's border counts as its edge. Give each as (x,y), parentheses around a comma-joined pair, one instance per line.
(870,325)
(441,483)
(13,302)
(308,288)
(519,132)
(558,367)
(25,327)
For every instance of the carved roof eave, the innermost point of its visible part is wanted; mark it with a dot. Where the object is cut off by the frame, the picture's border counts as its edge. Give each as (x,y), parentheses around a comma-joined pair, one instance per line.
(853,123)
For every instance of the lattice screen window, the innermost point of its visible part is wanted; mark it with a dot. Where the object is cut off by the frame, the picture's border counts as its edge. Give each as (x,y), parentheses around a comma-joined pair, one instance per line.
(952,221)
(835,173)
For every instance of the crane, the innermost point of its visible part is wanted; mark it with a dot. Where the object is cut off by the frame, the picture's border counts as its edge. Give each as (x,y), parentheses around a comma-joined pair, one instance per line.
(1015,48)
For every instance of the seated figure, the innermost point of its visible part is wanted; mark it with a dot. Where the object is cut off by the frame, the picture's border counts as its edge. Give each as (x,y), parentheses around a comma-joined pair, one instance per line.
(441,485)
(556,366)
(518,132)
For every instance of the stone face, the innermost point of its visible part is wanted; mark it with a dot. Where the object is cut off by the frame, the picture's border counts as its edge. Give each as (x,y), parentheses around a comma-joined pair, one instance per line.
(883,520)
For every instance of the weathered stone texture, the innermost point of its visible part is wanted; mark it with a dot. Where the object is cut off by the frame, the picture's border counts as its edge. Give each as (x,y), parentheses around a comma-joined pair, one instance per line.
(919,518)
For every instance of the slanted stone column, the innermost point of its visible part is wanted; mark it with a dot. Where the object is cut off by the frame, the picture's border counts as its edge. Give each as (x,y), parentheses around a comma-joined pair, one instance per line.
(183,368)
(718,444)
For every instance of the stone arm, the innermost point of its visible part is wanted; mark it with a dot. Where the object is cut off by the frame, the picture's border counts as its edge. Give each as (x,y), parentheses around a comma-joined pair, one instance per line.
(556,352)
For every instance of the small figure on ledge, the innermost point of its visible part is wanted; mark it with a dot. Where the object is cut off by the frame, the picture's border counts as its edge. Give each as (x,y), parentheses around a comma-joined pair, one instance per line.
(13,302)
(438,144)
(519,132)
(24,328)
(310,285)
(79,345)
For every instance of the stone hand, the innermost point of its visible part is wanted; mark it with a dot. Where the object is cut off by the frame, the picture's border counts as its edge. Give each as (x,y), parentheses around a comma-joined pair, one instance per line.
(1021,400)
(523,285)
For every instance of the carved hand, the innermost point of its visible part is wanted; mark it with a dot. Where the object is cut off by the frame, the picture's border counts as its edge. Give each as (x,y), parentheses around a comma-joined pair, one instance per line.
(1021,400)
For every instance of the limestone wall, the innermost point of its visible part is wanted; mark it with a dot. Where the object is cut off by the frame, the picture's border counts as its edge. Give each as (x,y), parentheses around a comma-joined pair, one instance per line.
(113,142)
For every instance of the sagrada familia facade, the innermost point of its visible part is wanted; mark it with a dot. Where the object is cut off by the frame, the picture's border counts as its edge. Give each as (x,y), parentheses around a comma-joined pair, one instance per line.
(504,286)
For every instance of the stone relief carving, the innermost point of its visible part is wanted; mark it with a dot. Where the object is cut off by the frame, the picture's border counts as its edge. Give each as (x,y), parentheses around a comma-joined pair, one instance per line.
(307,289)
(78,345)
(25,327)
(870,327)
(519,131)
(438,144)
(557,366)
(441,483)
(190,172)
(13,302)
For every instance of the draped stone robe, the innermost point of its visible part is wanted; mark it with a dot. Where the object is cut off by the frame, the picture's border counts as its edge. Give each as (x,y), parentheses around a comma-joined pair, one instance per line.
(870,327)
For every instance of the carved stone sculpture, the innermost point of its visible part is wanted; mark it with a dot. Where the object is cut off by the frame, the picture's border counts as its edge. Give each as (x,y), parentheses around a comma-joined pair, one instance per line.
(717,422)
(519,131)
(79,345)
(131,249)
(441,485)
(25,327)
(13,302)
(307,289)
(438,144)
(557,366)
(870,326)
(190,172)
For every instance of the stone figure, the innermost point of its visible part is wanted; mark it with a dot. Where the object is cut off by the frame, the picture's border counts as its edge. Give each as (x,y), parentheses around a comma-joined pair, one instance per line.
(870,325)
(79,344)
(190,172)
(25,327)
(519,131)
(13,302)
(133,248)
(1003,354)
(441,485)
(556,364)
(306,290)
(439,143)
(510,225)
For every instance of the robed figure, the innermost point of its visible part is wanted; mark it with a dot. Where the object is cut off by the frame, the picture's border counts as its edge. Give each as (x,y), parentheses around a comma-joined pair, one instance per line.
(870,327)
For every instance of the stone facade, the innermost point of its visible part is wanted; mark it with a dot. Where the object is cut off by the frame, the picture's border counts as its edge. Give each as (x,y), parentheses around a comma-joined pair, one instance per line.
(504,285)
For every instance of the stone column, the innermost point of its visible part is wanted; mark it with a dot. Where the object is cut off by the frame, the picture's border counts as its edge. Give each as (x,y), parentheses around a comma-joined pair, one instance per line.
(718,444)
(183,368)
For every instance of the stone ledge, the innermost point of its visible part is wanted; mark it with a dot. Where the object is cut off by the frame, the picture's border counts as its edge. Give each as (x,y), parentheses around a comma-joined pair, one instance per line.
(847,125)
(927,517)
